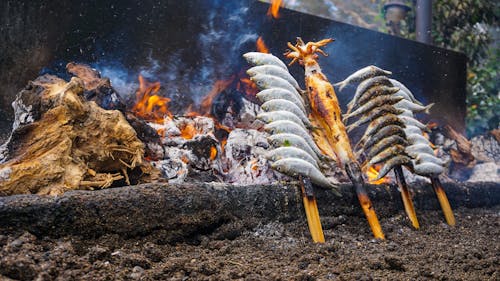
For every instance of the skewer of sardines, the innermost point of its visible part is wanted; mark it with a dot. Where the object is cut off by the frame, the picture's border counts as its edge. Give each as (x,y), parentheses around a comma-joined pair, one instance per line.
(294,151)
(394,137)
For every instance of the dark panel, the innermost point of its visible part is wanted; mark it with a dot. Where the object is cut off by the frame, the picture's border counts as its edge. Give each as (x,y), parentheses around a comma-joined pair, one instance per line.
(188,45)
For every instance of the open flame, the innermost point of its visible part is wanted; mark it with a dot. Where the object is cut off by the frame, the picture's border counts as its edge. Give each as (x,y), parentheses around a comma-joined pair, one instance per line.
(273,10)
(213,152)
(149,105)
(372,174)
(261,45)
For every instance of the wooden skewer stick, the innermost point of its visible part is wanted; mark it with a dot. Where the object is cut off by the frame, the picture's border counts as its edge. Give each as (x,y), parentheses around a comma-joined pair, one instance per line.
(405,195)
(443,201)
(354,173)
(312,213)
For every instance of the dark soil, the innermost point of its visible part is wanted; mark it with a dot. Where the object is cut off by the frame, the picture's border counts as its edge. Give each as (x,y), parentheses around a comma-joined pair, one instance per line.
(274,251)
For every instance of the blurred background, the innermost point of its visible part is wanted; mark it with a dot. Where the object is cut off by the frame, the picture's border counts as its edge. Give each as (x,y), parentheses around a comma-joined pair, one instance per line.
(467,26)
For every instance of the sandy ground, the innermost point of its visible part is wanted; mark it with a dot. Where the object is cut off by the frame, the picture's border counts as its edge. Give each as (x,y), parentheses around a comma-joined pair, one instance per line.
(274,251)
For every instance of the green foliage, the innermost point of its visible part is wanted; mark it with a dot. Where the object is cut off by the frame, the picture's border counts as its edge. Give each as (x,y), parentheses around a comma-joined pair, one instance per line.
(483,102)
(465,26)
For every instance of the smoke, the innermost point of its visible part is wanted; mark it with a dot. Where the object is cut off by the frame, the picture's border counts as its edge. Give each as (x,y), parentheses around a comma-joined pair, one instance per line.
(189,73)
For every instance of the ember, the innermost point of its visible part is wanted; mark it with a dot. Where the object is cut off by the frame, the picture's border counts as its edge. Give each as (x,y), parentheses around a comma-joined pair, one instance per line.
(372,174)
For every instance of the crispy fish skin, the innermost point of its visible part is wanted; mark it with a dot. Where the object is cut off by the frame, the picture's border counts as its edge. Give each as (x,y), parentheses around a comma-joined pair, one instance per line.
(376,92)
(376,102)
(369,83)
(416,149)
(269,117)
(289,127)
(286,139)
(281,104)
(374,114)
(379,123)
(264,81)
(290,152)
(367,141)
(257,58)
(409,105)
(385,143)
(278,93)
(362,74)
(386,154)
(427,169)
(403,88)
(274,71)
(295,167)
(391,163)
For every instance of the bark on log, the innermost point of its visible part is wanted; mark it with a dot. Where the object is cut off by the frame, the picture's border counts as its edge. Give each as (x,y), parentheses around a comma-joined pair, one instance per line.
(61,142)
(179,212)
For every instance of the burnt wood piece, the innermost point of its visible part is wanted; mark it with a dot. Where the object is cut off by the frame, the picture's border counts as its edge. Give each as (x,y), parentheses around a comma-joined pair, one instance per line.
(61,142)
(181,211)
(462,155)
(99,90)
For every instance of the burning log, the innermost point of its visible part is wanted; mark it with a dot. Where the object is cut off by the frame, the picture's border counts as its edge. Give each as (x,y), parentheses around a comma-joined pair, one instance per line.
(462,153)
(61,142)
(99,90)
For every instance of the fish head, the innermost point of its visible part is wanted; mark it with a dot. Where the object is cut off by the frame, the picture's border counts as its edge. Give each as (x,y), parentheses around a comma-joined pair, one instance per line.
(259,81)
(251,72)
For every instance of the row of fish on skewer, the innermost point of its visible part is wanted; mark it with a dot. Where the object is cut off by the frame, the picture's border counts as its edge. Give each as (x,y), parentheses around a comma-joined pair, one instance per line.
(294,151)
(393,136)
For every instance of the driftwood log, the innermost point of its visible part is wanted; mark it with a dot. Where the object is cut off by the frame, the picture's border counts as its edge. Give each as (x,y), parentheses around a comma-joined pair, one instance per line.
(61,141)
(182,211)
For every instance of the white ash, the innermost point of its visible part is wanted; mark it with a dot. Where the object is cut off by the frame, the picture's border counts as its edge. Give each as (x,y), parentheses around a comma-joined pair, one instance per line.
(5,174)
(485,149)
(23,113)
(489,171)
(248,114)
(174,170)
(244,158)
(177,155)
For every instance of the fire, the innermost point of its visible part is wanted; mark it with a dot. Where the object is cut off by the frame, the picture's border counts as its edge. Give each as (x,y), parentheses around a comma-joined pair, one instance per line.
(149,105)
(274,8)
(261,46)
(213,152)
(372,174)
(206,102)
(188,131)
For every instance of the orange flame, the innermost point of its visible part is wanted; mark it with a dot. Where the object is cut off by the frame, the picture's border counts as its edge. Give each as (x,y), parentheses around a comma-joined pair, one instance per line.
(188,131)
(274,8)
(372,174)
(213,152)
(150,106)
(206,102)
(261,46)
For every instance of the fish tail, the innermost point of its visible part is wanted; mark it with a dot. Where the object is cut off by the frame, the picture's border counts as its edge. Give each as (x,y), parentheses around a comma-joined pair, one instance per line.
(428,107)
(341,85)
(383,172)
